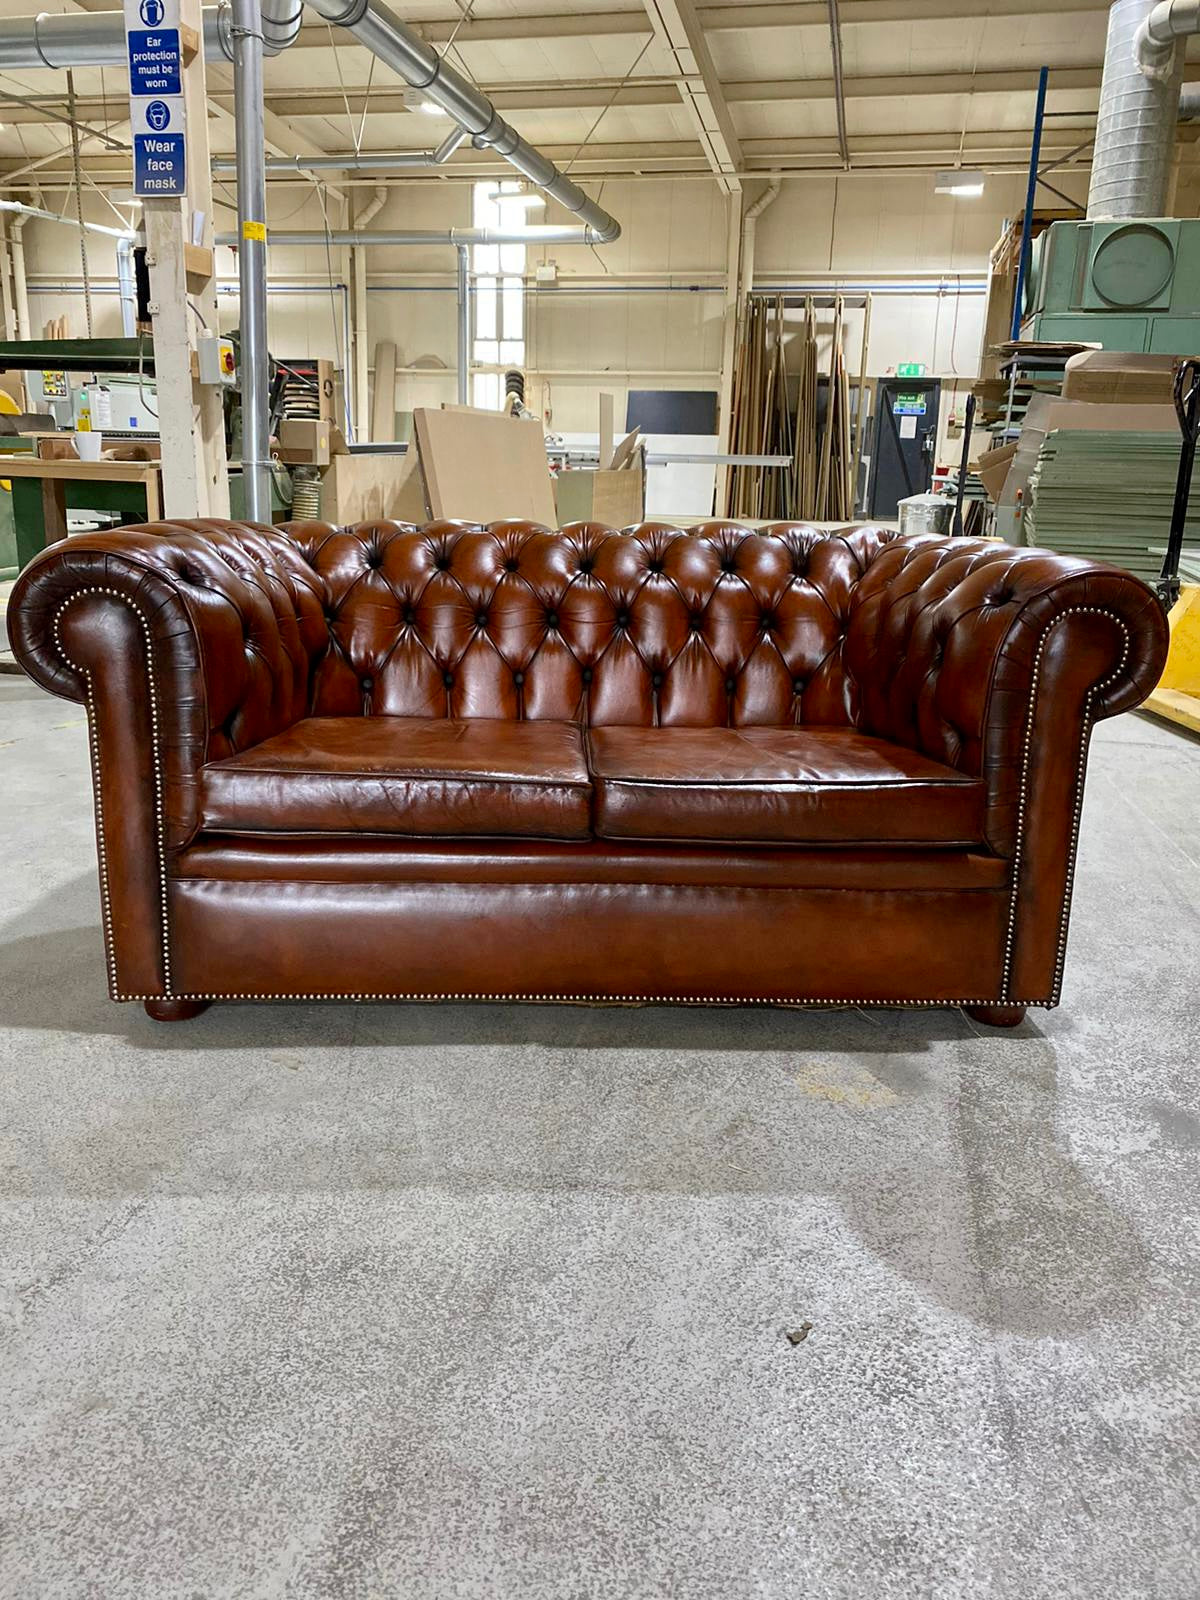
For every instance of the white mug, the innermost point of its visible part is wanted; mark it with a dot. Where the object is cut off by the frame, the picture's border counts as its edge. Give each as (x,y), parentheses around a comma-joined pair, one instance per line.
(89,445)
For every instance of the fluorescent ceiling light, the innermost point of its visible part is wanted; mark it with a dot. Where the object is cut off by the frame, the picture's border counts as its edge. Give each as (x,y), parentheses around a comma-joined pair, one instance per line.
(415,100)
(530,202)
(961,181)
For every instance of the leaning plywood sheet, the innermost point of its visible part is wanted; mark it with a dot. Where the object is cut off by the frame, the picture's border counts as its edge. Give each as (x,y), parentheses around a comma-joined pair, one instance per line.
(483,467)
(368,488)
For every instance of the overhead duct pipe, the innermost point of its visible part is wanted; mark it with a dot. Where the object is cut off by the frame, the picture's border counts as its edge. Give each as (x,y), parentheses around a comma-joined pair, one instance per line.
(1135,127)
(97,39)
(401,161)
(356,236)
(383,33)
(1157,41)
(750,227)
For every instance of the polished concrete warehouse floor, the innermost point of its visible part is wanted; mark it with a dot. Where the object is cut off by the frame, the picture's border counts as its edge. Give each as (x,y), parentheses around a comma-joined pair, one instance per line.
(476,1302)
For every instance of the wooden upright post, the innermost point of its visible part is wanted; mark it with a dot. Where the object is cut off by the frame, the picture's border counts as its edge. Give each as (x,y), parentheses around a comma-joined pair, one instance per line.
(190,415)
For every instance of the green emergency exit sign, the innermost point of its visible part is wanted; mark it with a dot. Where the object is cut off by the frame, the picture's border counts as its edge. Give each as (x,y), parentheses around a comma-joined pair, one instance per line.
(911,369)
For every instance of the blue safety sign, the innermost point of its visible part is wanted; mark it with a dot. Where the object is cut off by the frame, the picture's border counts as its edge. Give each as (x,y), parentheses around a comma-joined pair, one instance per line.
(159,163)
(154,62)
(157,109)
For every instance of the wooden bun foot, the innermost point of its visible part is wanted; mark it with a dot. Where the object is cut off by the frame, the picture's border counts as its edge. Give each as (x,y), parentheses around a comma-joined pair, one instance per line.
(175,1010)
(997,1016)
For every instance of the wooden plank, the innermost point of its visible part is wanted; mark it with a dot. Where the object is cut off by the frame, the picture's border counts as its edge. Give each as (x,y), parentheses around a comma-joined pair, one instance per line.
(383,399)
(484,467)
(24,466)
(54,509)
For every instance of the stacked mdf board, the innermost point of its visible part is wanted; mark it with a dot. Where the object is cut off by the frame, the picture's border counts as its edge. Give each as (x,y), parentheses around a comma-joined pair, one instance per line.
(1107,495)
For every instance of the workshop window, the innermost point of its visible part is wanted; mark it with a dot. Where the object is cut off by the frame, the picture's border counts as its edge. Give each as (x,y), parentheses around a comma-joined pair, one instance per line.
(499,298)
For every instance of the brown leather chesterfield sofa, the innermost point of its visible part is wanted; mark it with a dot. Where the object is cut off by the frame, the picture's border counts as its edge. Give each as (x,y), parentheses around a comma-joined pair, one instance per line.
(384,762)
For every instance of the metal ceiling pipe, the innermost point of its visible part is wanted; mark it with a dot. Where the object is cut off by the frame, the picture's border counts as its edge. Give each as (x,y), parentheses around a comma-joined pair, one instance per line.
(246,30)
(750,227)
(463,288)
(21,209)
(280,24)
(127,287)
(1135,128)
(401,161)
(383,33)
(1157,42)
(360,237)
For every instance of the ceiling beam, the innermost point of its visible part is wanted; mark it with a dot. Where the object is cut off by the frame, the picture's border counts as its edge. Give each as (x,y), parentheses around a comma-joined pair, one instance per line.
(723,18)
(985,148)
(679,32)
(390,101)
(634,23)
(664,91)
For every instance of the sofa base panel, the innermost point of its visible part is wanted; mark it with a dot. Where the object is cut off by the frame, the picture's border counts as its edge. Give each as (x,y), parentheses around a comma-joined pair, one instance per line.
(592,942)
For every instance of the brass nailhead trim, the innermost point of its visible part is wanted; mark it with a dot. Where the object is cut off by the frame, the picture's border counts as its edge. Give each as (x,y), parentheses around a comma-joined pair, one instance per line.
(1023,797)
(156,761)
(609,999)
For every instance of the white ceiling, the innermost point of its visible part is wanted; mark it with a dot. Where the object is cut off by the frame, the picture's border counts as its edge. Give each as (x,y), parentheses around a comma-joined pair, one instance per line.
(925,82)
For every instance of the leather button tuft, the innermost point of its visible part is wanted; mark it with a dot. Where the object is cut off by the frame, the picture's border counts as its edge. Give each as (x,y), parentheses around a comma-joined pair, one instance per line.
(442,563)
(798,686)
(518,678)
(510,565)
(622,619)
(654,566)
(410,616)
(656,680)
(368,684)
(374,559)
(767,624)
(552,619)
(730,685)
(696,624)
(727,565)
(586,674)
(481,619)
(586,564)
(448,679)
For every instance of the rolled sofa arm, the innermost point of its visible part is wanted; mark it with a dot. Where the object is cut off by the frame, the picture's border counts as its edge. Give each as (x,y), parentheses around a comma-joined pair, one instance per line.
(186,641)
(997,661)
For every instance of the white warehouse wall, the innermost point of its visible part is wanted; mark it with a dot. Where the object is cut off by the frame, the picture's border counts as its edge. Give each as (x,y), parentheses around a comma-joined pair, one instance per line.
(644,313)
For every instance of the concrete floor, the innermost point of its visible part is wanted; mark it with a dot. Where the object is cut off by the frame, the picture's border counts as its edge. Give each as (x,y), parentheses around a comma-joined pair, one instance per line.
(476,1302)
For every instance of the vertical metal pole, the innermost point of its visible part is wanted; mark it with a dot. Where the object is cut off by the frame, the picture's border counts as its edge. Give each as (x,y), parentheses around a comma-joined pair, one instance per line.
(1035,151)
(464,327)
(252,256)
(126,288)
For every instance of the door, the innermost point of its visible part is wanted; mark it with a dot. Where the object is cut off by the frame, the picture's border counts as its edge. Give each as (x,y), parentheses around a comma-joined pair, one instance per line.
(906,420)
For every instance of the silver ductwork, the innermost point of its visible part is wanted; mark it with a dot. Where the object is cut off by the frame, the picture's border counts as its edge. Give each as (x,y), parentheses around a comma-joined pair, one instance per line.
(1157,41)
(355,237)
(376,161)
(383,33)
(97,39)
(1135,128)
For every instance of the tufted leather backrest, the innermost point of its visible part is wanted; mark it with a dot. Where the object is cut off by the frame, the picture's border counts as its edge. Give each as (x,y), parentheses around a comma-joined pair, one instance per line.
(719,626)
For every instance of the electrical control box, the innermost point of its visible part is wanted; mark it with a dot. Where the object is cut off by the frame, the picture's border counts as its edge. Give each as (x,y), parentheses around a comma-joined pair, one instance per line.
(215,360)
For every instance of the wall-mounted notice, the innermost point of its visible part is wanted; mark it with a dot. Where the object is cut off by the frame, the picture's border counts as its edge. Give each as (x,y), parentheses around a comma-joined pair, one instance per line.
(156,104)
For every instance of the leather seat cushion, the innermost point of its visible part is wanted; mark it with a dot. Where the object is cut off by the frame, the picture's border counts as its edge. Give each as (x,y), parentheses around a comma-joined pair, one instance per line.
(416,776)
(755,785)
